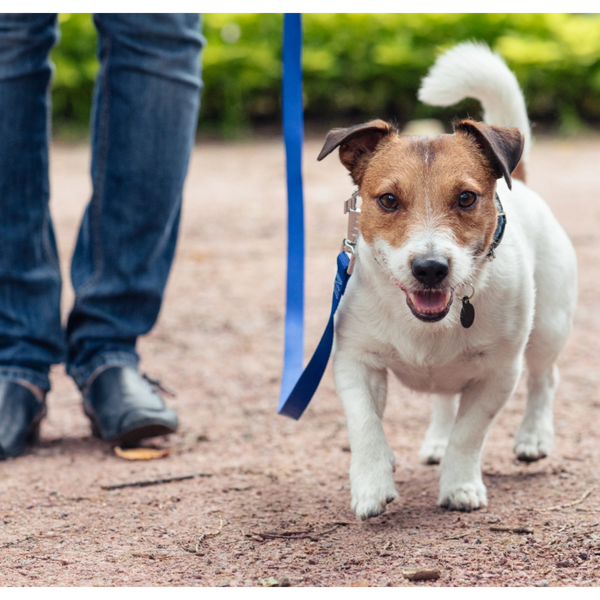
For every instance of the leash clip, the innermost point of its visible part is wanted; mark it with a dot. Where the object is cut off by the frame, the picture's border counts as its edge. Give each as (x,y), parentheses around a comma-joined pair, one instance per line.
(349,242)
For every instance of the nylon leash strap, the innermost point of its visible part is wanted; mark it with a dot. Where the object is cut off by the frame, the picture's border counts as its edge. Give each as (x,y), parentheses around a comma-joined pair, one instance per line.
(297,385)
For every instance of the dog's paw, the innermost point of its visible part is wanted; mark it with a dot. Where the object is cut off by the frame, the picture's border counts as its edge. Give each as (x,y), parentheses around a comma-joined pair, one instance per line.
(533,445)
(372,484)
(432,451)
(465,497)
(373,502)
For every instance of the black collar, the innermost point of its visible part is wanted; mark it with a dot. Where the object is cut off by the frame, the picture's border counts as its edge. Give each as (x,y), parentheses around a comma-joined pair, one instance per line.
(500,227)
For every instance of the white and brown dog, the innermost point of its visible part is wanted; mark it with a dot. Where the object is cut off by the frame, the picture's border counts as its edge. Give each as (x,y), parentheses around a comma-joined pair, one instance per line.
(429,225)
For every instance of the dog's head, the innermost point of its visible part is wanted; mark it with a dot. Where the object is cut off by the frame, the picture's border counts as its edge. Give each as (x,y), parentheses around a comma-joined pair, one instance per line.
(428,210)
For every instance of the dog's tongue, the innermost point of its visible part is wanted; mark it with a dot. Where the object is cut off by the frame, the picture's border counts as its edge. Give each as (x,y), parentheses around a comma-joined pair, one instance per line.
(430,302)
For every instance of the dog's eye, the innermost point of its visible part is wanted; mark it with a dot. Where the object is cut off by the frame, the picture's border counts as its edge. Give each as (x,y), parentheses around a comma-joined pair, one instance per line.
(467,199)
(388,202)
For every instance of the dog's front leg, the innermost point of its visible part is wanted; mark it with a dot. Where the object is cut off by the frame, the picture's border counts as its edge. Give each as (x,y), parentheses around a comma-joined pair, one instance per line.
(363,390)
(461,485)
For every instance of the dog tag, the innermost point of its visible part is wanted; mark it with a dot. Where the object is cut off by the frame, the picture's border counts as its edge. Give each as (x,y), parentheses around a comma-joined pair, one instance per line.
(467,313)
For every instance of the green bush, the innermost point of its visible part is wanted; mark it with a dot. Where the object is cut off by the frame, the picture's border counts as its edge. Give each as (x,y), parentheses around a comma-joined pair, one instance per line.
(357,66)
(76,65)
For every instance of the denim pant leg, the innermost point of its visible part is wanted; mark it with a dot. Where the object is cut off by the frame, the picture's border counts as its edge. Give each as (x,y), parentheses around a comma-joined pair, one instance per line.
(31,337)
(146,103)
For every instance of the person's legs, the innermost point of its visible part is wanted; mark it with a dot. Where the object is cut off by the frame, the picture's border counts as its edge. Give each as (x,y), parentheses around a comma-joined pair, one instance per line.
(31,337)
(146,103)
(145,111)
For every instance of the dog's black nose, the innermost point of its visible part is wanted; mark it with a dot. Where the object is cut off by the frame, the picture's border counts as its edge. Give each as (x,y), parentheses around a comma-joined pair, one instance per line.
(430,271)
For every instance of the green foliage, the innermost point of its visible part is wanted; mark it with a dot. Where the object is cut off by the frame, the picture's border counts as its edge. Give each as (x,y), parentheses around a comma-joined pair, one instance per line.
(76,65)
(358,66)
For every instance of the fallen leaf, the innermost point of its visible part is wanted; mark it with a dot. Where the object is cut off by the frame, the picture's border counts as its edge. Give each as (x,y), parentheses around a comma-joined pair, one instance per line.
(199,256)
(359,584)
(142,453)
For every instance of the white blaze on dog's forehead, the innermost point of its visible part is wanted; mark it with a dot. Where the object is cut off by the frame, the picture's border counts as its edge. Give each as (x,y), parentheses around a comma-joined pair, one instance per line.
(427,176)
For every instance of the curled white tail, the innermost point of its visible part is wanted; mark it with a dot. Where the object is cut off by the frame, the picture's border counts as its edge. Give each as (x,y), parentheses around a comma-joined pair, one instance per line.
(472,70)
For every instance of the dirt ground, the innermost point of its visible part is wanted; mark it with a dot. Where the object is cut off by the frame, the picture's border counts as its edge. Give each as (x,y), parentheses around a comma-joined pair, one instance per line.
(218,345)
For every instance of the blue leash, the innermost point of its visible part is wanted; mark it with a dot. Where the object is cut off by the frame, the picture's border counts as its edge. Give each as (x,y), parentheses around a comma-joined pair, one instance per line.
(298,386)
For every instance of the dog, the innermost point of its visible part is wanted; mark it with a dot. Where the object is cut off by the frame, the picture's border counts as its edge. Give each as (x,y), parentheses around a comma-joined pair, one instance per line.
(462,276)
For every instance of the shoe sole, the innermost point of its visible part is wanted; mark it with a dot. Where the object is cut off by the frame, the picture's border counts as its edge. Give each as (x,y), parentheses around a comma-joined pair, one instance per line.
(141,431)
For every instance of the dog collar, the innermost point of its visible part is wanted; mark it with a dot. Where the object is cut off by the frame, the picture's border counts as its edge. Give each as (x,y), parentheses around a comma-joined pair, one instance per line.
(500,227)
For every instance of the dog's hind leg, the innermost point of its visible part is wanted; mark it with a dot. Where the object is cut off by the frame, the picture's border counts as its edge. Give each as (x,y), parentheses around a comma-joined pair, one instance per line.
(550,331)
(442,421)
(536,432)
(363,390)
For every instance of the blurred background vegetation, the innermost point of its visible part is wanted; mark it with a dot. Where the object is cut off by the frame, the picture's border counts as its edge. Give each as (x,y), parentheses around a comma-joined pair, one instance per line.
(356,67)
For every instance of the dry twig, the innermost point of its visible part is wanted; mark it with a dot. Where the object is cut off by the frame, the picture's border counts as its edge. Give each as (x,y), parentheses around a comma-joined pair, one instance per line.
(421,574)
(457,537)
(569,504)
(291,535)
(512,529)
(204,536)
(160,481)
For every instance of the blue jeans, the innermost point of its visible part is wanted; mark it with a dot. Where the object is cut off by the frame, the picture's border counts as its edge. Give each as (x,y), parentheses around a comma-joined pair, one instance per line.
(144,115)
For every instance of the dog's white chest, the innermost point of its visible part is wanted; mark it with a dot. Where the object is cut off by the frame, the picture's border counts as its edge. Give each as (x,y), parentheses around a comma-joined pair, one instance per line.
(445,367)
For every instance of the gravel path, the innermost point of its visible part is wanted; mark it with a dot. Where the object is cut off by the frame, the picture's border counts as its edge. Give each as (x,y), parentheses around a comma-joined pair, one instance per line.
(218,344)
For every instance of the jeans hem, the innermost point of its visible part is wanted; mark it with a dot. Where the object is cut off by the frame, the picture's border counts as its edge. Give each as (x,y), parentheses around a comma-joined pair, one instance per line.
(82,374)
(29,375)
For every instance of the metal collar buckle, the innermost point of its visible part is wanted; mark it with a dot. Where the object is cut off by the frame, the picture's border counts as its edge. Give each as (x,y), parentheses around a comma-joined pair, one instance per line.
(349,242)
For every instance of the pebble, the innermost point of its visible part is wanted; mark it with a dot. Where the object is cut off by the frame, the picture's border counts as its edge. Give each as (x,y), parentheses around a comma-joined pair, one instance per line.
(542,583)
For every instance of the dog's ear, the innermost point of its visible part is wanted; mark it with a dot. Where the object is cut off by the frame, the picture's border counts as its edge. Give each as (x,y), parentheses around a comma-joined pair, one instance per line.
(356,142)
(502,146)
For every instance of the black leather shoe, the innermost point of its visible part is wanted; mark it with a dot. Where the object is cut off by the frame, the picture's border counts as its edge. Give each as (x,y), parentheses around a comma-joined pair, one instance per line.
(124,407)
(20,416)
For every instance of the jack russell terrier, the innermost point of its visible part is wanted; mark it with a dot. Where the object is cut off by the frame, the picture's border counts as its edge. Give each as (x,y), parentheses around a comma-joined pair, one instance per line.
(462,274)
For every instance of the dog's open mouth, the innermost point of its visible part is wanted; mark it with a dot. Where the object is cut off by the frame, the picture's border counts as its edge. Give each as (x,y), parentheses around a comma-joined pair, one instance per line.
(429,305)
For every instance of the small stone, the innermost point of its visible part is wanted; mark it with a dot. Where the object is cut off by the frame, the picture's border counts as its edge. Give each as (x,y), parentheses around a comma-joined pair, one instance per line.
(542,583)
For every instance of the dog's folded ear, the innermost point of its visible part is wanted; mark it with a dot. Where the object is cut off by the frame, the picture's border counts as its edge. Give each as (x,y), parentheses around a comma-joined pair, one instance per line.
(502,146)
(356,142)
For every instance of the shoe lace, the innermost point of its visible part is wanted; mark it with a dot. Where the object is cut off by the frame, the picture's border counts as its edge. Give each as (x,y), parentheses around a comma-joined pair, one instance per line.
(158,385)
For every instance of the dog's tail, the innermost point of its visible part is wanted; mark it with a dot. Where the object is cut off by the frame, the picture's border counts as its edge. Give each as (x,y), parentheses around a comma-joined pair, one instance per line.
(472,70)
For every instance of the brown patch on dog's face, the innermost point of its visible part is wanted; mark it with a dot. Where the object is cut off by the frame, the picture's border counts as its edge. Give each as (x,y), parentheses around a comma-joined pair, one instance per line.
(428,176)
